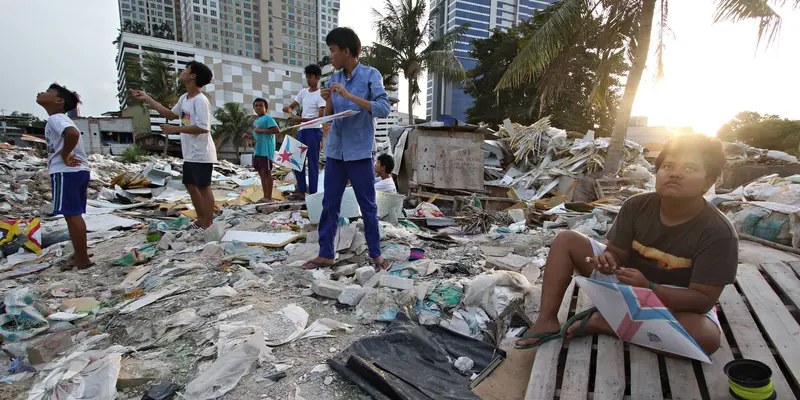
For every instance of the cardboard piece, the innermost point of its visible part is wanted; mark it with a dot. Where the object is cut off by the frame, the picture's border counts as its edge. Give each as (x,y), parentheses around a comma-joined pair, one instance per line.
(510,380)
(268,239)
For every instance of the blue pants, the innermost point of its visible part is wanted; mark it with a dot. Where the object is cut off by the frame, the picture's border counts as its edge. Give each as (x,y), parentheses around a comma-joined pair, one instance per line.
(361,175)
(311,138)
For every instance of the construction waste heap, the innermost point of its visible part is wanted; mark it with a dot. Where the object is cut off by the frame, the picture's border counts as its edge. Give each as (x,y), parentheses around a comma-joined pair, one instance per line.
(229,313)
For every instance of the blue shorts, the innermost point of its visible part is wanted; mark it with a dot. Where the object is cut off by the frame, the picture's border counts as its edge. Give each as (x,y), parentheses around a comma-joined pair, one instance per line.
(69,192)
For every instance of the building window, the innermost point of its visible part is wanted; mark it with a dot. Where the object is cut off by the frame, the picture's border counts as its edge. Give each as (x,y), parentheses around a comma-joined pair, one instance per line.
(213,13)
(197,26)
(248,38)
(214,4)
(248,22)
(214,46)
(238,12)
(205,19)
(213,29)
(197,43)
(247,14)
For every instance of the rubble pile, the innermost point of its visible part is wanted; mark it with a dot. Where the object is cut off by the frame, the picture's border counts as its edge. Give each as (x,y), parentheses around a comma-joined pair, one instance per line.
(229,311)
(739,153)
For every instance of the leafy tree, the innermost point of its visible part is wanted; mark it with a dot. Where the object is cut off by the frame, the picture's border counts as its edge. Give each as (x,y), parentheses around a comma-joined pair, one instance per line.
(160,81)
(163,31)
(375,57)
(625,30)
(527,103)
(132,27)
(29,119)
(726,132)
(773,134)
(324,61)
(234,125)
(405,38)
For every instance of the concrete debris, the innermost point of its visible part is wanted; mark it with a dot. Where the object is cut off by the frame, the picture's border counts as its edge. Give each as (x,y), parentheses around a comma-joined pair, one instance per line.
(327,288)
(48,348)
(364,274)
(351,295)
(396,282)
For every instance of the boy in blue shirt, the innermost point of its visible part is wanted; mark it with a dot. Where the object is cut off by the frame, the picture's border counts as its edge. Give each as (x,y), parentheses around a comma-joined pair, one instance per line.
(264,130)
(348,149)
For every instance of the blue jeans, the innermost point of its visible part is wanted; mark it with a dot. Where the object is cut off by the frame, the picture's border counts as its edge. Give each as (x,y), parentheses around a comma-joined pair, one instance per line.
(361,176)
(311,138)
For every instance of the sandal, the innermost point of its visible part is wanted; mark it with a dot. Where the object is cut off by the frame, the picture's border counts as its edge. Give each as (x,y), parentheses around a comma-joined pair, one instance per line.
(384,266)
(543,338)
(584,317)
(314,265)
(69,267)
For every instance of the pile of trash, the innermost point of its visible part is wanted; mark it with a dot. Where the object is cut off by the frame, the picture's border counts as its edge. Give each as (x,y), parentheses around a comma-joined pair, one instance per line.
(229,311)
(546,159)
(739,153)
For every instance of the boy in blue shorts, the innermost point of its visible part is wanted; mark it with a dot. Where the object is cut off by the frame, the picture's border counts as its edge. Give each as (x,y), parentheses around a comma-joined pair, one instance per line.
(264,130)
(69,170)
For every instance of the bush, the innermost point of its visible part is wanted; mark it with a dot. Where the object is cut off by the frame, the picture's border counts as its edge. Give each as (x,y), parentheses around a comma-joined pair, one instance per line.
(133,154)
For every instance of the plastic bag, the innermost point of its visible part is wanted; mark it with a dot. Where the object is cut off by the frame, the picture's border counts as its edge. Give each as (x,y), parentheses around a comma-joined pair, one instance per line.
(224,374)
(427,210)
(20,233)
(493,292)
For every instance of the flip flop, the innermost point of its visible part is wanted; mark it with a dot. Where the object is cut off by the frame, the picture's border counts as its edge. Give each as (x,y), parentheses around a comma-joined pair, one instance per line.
(315,265)
(543,338)
(584,317)
(69,267)
(384,266)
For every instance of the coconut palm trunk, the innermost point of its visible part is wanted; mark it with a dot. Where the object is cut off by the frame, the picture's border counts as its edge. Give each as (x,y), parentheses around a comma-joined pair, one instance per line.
(410,104)
(614,155)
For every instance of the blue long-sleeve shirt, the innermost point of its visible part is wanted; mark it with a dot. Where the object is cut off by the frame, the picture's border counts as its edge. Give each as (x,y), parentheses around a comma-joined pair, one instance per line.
(352,138)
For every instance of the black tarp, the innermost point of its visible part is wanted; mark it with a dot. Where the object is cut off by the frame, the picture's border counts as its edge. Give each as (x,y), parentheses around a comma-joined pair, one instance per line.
(413,362)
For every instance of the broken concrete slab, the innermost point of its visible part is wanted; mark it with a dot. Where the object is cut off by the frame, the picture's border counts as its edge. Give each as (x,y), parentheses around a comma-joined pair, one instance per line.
(215,232)
(496,251)
(511,262)
(344,270)
(81,304)
(351,295)
(364,273)
(344,237)
(135,372)
(327,288)
(396,282)
(47,349)
(374,280)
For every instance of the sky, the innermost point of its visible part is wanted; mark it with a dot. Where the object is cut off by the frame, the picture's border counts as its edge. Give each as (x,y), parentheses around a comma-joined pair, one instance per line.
(713,71)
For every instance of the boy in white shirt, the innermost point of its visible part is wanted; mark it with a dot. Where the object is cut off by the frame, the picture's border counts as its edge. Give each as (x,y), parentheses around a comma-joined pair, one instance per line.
(69,169)
(384,168)
(197,146)
(313,107)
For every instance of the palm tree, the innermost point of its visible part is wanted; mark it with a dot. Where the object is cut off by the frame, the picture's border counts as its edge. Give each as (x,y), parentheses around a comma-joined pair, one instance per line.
(626,29)
(234,124)
(405,39)
(160,81)
(375,58)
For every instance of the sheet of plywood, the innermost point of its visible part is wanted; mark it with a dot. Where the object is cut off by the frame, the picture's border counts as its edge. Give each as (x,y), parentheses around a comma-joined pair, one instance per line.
(795,265)
(542,382)
(507,382)
(268,239)
(715,379)
(425,159)
(609,382)
(459,168)
(645,378)
(682,381)
(575,384)
(779,324)
(784,276)
(747,336)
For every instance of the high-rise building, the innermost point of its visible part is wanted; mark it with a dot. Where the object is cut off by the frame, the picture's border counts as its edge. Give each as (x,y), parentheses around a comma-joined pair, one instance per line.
(160,18)
(236,79)
(445,98)
(284,31)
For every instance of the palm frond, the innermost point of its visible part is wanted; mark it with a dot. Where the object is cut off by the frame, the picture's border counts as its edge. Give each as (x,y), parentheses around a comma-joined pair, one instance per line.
(661,46)
(769,22)
(545,44)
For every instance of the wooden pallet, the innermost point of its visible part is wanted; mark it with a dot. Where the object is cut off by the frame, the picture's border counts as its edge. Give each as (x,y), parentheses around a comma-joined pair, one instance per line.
(759,316)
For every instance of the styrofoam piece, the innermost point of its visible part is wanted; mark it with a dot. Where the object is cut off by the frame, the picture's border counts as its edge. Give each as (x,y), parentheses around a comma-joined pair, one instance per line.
(269,239)
(349,208)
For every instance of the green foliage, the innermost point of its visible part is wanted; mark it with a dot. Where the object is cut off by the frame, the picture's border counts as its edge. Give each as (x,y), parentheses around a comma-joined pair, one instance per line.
(726,132)
(404,34)
(234,126)
(526,103)
(133,154)
(29,119)
(378,59)
(766,132)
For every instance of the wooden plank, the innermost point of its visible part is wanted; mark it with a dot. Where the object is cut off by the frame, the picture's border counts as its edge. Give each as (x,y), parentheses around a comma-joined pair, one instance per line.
(783,275)
(609,382)
(779,324)
(682,381)
(645,378)
(795,266)
(575,384)
(748,338)
(715,380)
(542,383)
